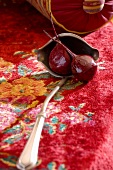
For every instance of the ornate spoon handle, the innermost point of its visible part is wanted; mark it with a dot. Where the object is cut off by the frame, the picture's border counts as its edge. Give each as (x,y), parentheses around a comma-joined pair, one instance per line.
(28,157)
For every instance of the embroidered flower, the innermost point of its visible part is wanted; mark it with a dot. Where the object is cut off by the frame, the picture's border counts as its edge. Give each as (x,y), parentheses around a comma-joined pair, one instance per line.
(7,115)
(5,65)
(22,88)
(23,70)
(52,166)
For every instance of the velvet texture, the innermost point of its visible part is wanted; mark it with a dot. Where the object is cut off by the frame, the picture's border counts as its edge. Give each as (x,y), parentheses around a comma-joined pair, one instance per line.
(78,131)
(76,16)
(80,16)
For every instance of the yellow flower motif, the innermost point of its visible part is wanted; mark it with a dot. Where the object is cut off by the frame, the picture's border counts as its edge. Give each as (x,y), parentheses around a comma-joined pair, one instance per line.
(23,87)
(28,86)
(5,65)
(5,90)
(52,84)
(33,104)
(21,90)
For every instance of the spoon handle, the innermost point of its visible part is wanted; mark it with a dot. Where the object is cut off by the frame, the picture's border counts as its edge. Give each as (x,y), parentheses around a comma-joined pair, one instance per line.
(28,157)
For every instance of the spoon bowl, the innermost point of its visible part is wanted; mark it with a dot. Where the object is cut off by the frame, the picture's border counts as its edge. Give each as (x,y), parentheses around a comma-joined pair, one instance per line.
(74,42)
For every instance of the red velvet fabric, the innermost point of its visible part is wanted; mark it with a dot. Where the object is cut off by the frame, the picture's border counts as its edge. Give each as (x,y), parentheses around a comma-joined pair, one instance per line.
(71,16)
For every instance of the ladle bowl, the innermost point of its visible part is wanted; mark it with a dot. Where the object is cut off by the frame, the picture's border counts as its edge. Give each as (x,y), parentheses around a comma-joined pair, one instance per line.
(74,42)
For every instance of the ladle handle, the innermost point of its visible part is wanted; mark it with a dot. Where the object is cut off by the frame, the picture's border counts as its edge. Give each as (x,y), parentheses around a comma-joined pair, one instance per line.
(28,157)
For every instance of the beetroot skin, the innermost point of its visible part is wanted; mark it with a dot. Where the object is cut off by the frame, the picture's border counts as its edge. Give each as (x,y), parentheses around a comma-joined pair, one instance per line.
(83,67)
(60,61)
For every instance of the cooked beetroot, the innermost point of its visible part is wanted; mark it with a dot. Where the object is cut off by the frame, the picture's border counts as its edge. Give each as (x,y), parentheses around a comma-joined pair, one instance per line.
(60,61)
(83,67)
(64,62)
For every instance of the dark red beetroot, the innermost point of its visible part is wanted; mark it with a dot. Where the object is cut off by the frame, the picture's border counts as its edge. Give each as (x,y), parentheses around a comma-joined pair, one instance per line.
(83,67)
(60,61)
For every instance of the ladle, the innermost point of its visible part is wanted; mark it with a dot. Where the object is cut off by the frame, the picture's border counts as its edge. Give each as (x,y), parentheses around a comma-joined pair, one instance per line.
(29,155)
(77,45)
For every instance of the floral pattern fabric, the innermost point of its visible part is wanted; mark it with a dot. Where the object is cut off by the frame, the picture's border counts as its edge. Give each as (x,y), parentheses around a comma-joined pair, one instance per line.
(21,97)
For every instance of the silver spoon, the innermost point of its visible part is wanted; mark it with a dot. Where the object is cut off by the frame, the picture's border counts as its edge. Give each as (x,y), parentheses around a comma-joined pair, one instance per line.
(29,155)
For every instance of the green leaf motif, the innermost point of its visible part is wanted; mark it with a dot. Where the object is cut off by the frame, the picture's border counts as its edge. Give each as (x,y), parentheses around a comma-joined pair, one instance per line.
(72,107)
(58,97)
(13,130)
(12,139)
(11,159)
(62,167)
(71,85)
(52,166)
(25,56)
(54,120)
(41,76)
(51,130)
(19,53)
(35,51)
(62,127)
(2,79)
